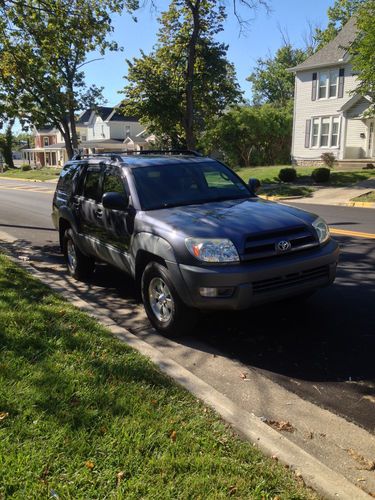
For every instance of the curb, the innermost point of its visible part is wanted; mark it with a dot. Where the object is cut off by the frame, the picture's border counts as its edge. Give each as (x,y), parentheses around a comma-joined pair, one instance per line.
(280,198)
(360,204)
(315,474)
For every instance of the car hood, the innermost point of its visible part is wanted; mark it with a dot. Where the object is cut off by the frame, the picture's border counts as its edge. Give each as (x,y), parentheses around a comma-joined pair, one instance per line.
(233,219)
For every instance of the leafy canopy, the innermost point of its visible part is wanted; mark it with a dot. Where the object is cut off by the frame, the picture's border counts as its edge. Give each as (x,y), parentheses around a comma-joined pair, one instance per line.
(43,51)
(338,15)
(271,82)
(251,135)
(363,51)
(158,83)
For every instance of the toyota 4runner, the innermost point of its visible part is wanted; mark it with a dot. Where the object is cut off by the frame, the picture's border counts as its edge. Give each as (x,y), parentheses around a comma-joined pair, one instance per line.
(190,232)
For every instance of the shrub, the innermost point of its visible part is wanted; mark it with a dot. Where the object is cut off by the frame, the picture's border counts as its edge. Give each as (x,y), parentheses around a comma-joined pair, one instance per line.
(288,175)
(25,167)
(328,159)
(321,174)
(369,166)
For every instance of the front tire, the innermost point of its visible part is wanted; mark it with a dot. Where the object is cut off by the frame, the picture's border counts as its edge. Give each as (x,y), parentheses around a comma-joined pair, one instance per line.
(79,265)
(164,308)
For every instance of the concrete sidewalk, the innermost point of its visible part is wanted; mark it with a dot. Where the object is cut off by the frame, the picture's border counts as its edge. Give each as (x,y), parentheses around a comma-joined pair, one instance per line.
(340,196)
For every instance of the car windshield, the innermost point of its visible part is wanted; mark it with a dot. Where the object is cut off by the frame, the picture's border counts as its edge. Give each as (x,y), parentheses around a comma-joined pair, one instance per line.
(163,186)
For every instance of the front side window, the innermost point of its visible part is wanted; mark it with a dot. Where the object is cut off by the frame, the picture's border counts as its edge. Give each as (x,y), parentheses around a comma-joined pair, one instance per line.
(163,186)
(335,132)
(113,183)
(46,141)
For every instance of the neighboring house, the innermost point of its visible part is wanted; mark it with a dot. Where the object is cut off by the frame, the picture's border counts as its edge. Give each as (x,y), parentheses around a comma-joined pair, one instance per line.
(101,130)
(328,116)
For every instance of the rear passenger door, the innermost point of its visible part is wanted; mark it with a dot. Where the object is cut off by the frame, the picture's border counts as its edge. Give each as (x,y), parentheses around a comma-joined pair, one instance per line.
(117,224)
(89,206)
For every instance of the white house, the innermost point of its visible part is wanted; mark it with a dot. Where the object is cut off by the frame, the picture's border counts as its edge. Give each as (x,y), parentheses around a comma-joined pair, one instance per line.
(100,130)
(328,116)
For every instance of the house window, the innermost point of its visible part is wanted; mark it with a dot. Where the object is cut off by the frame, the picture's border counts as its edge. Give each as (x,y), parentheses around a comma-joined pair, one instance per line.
(325,132)
(315,133)
(127,131)
(46,141)
(335,132)
(328,84)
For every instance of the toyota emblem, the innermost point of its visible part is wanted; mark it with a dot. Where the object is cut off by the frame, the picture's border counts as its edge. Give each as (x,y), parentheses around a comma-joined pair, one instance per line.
(283,246)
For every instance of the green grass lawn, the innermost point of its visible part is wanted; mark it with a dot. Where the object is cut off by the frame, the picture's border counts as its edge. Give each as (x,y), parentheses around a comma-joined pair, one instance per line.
(83,416)
(369,197)
(269,175)
(286,190)
(42,174)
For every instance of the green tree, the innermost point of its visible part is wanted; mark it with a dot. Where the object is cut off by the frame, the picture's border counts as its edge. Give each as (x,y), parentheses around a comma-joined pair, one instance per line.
(6,144)
(186,80)
(363,52)
(271,82)
(43,51)
(251,135)
(338,15)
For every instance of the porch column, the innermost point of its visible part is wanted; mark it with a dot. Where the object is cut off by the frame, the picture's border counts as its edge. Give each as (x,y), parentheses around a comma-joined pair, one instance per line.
(344,129)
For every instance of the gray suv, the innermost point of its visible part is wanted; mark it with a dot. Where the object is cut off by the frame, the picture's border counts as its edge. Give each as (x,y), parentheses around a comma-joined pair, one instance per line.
(190,232)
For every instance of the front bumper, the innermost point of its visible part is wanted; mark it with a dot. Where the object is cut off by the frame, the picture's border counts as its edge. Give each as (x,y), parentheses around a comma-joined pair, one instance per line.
(260,282)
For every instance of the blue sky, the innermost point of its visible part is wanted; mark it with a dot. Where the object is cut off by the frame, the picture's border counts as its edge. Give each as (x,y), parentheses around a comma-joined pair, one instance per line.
(263,37)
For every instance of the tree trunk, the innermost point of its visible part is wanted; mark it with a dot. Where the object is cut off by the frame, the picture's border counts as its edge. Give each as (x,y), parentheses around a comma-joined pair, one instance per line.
(65,131)
(189,88)
(6,147)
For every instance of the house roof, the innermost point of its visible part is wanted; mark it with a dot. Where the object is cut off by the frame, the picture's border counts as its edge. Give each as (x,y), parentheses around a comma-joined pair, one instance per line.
(335,52)
(106,113)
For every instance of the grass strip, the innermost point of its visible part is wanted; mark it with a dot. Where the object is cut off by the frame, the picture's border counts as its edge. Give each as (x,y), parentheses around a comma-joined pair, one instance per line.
(368,197)
(82,415)
(42,174)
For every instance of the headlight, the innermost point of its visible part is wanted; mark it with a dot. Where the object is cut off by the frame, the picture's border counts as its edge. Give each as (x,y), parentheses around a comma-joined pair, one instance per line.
(322,229)
(209,250)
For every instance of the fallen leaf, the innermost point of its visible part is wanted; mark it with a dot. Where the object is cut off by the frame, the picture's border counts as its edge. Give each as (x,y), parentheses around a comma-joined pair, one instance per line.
(365,463)
(119,477)
(369,398)
(154,402)
(173,436)
(89,464)
(3,415)
(232,490)
(243,375)
(280,425)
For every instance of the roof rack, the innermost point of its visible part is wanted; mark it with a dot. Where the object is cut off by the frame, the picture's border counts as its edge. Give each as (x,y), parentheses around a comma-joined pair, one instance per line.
(118,155)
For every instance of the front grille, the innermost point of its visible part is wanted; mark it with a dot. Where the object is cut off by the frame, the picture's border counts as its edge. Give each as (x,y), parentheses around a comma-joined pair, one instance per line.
(263,245)
(280,282)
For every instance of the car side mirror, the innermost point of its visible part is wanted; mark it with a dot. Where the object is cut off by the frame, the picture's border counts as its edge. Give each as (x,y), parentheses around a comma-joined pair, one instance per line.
(254,185)
(115,201)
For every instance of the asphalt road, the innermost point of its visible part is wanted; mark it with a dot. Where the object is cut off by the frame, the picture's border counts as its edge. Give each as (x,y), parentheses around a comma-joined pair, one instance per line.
(322,350)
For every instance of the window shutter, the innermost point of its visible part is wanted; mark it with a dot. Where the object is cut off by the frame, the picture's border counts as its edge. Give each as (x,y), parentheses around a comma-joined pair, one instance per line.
(314,86)
(307,133)
(340,92)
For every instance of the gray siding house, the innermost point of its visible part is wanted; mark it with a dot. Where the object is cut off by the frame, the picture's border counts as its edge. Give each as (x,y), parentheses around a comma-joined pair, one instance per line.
(328,116)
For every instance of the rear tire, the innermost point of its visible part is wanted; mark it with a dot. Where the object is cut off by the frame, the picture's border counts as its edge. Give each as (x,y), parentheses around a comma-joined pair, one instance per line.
(79,265)
(164,308)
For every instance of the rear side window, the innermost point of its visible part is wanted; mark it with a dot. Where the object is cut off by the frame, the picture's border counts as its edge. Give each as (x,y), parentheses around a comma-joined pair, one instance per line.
(91,187)
(67,177)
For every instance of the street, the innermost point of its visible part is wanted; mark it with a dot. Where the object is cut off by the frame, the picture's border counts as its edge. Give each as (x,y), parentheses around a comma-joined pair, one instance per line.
(323,350)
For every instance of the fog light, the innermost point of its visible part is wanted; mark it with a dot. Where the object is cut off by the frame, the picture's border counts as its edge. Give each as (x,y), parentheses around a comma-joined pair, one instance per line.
(216,292)
(209,292)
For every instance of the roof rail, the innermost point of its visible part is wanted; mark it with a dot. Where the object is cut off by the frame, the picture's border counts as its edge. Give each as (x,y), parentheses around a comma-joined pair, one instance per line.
(168,151)
(118,155)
